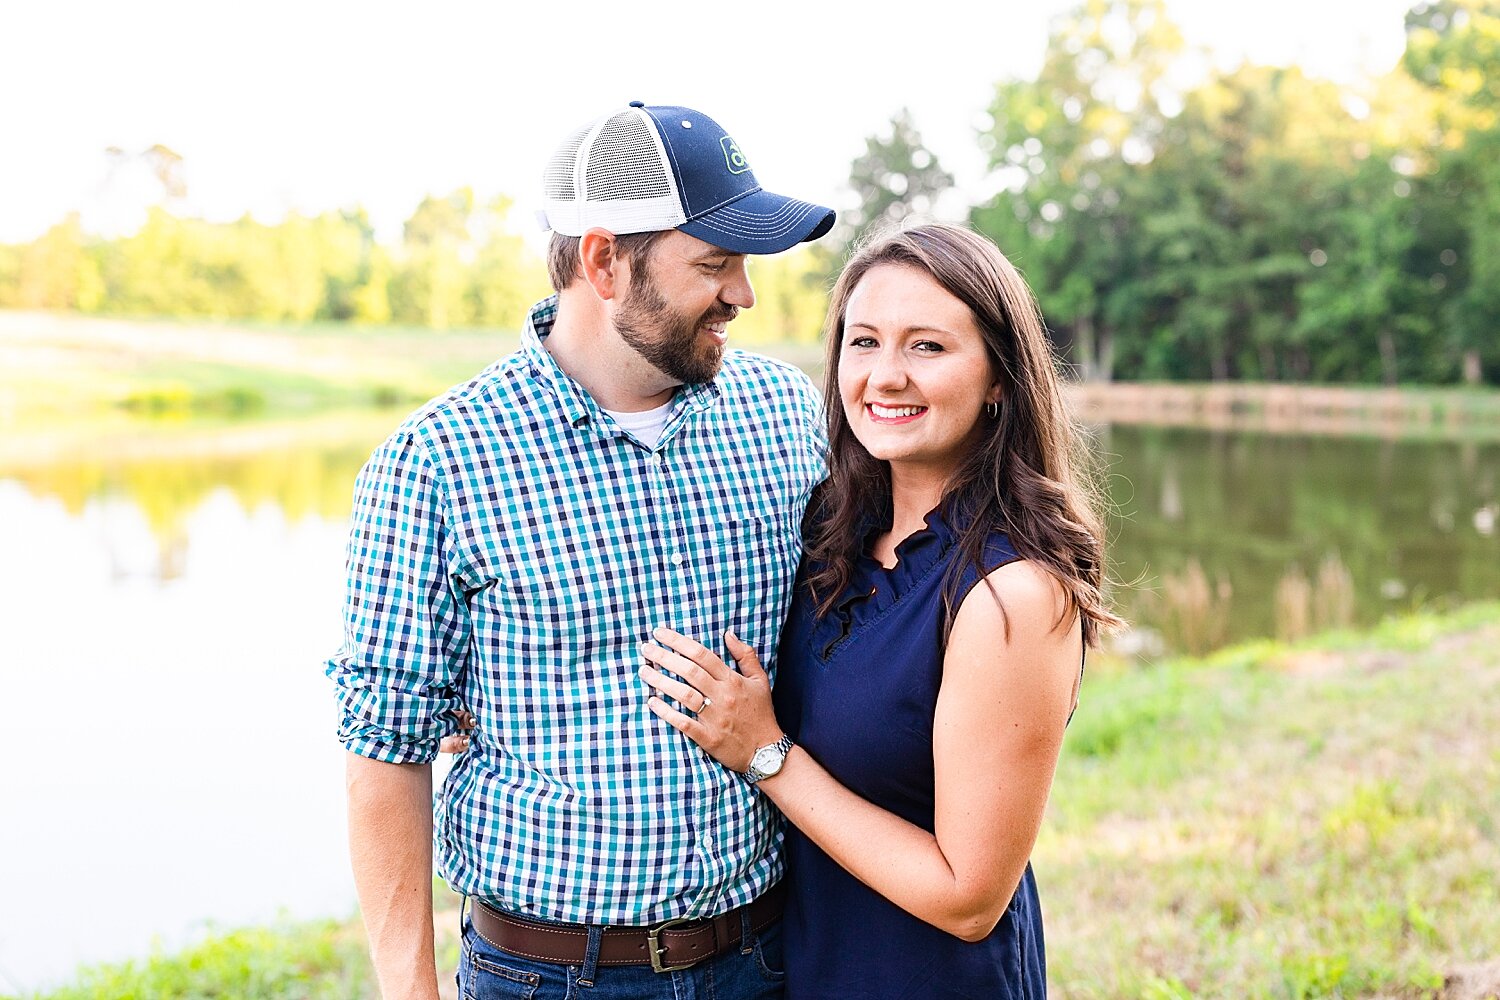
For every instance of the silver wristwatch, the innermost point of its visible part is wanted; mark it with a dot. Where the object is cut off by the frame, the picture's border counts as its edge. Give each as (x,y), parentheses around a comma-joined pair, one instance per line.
(767,761)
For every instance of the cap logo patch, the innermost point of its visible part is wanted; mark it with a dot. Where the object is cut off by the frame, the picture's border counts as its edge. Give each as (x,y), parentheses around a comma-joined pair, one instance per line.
(733,156)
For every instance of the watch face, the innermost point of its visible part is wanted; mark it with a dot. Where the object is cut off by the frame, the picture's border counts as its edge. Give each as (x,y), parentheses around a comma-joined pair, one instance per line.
(766,760)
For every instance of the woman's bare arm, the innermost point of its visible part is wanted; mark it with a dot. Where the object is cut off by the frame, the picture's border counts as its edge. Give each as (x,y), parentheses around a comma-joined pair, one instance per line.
(997,734)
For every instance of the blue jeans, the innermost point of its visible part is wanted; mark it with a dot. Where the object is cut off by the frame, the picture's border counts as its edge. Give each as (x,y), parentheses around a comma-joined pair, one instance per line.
(753,971)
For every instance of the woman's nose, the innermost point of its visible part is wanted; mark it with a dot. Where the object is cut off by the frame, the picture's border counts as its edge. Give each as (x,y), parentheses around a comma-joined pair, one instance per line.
(888,371)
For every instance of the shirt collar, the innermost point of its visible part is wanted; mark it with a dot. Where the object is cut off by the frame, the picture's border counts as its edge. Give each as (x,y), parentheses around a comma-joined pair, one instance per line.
(578,406)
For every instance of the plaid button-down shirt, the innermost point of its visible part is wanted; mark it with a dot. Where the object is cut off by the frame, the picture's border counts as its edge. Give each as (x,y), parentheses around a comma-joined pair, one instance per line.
(510,549)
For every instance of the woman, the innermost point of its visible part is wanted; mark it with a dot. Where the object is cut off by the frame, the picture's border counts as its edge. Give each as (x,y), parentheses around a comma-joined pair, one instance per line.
(934,651)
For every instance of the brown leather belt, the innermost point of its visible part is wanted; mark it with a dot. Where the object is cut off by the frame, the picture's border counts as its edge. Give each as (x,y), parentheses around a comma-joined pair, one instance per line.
(666,947)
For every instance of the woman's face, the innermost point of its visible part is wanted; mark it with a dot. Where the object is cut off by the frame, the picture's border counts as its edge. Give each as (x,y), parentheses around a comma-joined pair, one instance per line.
(913,372)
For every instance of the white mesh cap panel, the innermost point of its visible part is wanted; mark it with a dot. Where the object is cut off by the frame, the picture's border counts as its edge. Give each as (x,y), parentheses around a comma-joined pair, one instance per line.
(557,179)
(625,162)
(614,175)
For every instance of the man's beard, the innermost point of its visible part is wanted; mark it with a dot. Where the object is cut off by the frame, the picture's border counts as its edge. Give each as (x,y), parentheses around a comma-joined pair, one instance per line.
(665,338)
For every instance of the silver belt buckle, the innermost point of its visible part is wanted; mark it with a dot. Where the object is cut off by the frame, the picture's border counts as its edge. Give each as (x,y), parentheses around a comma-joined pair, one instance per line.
(653,944)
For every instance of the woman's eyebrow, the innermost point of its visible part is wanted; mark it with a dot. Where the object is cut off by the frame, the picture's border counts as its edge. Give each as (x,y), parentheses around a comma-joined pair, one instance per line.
(914,328)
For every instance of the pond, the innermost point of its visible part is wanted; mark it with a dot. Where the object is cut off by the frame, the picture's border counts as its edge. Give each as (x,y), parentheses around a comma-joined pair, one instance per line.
(169,600)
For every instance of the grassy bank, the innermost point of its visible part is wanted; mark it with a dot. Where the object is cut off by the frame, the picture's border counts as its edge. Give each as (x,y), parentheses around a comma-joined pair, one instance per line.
(1285,821)
(65,367)
(1406,412)
(62,368)
(68,368)
(1278,821)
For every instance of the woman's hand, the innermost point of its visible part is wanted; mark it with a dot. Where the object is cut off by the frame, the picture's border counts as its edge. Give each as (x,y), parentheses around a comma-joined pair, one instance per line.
(732,712)
(459,741)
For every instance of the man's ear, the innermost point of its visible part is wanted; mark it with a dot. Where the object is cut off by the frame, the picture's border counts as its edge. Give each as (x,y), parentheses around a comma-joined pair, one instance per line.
(599,262)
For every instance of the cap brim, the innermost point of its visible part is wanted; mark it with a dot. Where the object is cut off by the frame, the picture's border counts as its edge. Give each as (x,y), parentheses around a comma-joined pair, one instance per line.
(761,222)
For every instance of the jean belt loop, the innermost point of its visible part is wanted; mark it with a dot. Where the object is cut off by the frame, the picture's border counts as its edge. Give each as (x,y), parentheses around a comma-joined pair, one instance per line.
(463,905)
(591,956)
(747,939)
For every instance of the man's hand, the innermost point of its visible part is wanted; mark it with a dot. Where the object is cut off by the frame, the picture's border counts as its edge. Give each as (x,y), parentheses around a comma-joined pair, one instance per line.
(390,849)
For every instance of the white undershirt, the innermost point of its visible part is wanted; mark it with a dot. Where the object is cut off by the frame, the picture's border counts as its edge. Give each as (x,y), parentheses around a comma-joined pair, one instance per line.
(645,425)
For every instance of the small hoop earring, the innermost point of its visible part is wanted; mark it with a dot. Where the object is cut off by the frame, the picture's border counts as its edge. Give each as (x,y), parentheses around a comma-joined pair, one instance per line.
(993,409)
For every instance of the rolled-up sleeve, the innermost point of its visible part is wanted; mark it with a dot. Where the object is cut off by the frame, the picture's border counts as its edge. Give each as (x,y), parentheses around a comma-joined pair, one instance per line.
(406,631)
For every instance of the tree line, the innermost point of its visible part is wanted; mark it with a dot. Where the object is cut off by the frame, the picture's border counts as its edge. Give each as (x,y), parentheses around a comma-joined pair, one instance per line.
(1247,223)
(1258,224)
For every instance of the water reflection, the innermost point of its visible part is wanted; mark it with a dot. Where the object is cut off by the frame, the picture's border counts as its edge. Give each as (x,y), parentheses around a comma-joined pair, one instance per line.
(1404,522)
(163,623)
(1228,523)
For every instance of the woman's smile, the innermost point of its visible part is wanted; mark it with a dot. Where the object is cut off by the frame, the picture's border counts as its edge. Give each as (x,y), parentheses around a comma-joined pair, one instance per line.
(892,414)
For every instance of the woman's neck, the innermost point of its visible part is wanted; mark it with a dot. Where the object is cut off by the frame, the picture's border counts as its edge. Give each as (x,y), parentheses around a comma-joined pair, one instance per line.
(913,495)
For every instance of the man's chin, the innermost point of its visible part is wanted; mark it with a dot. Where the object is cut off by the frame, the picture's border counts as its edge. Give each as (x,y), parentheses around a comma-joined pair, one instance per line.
(701,369)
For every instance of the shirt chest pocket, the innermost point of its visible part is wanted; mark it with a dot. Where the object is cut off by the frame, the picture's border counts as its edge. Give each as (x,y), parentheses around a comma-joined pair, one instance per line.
(744,571)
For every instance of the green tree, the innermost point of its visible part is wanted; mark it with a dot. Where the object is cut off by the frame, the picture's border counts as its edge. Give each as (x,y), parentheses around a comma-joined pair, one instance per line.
(506,278)
(370,300)
(1065,149)
(791,298)
(1240,191)
(896,177)
(1363,312)
(430,287)
(57,271)
(1453,47)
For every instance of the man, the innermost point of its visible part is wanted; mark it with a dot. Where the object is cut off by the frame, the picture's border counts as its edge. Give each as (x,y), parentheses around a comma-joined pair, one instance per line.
(516,541)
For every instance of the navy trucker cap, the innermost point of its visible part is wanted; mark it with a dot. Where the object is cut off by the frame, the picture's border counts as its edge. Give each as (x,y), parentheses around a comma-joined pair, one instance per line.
(645,169)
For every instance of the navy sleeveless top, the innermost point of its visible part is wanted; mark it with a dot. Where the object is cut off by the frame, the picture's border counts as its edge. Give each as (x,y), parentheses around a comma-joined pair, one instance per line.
(857,689)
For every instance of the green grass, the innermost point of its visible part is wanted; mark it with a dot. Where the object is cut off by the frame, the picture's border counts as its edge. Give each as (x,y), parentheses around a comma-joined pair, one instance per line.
(60,367)
(1283,821)
(64,367)
(315,961)
(1271,821)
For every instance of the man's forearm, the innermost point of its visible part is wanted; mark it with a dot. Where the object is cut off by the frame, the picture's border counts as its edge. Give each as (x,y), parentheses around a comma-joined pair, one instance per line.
(390,848)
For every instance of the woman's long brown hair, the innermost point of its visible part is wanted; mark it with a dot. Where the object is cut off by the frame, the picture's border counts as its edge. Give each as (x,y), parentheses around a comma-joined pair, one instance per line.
(1026,476)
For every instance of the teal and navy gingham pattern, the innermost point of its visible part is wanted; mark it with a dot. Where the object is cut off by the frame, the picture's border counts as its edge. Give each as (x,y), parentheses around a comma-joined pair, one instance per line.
(511,548)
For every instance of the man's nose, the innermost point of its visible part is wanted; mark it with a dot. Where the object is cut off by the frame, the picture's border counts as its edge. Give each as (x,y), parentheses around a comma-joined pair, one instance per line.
(737,290)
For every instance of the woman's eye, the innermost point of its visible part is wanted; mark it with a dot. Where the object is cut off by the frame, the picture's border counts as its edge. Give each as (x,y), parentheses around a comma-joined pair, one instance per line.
(928,347)
(862,342)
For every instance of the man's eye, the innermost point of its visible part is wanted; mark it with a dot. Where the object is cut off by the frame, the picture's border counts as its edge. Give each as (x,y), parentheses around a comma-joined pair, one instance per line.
(712,268)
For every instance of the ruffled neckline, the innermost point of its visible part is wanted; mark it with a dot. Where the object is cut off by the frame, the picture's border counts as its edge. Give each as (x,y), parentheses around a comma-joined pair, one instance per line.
(916,554)
(873,588)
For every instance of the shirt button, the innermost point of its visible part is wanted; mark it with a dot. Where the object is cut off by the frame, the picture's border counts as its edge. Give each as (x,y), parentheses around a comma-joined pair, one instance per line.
(676,558)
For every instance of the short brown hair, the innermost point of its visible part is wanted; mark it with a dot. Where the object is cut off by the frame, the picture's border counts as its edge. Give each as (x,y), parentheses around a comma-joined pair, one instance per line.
(562,254)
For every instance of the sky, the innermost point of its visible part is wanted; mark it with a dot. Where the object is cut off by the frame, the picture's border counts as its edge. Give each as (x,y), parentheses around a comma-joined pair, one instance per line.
(311,105)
